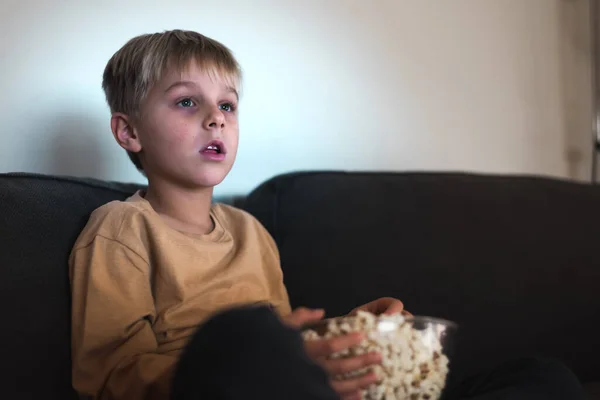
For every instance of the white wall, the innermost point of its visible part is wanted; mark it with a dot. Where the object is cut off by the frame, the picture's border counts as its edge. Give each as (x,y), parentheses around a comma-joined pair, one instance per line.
(477,85)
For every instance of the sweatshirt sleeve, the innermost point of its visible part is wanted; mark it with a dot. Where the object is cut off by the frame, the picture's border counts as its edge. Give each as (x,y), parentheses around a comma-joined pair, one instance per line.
(279,294)
(114,349)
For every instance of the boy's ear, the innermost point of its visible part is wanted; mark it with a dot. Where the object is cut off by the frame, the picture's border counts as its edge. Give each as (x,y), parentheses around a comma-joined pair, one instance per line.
(124,132)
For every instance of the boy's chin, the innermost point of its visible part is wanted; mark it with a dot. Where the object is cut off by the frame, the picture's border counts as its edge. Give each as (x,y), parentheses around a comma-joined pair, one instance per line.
(194,179)
(207,183)
(208,179)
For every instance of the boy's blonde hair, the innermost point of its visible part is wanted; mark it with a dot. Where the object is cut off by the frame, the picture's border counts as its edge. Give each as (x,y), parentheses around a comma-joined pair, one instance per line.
(141,62)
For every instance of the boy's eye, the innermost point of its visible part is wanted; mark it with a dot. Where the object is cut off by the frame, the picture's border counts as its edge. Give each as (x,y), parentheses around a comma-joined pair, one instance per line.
(186,103)
(227,107)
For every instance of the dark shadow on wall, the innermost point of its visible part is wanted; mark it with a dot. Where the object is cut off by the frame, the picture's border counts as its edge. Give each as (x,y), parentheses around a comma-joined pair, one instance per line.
(76,146)
(576,79)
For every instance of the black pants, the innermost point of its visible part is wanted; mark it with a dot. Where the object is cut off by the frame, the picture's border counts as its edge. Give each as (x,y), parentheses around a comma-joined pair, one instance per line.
(247,353)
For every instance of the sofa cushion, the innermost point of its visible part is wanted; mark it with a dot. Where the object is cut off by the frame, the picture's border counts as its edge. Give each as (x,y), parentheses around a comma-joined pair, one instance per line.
(40,219)
(514,260)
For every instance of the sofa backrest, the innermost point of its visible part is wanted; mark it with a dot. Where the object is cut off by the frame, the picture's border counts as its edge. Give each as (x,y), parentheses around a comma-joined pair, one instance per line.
(40,218)
(514,260)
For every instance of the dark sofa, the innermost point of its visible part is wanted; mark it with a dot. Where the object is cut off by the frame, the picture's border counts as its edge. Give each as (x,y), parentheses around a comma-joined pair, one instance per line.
(513,260)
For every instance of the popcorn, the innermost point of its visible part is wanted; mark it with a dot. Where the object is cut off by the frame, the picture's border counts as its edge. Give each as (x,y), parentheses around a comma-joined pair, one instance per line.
(413,365)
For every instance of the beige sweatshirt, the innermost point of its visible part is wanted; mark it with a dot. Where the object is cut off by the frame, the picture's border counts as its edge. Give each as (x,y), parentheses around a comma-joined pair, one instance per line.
(140,289)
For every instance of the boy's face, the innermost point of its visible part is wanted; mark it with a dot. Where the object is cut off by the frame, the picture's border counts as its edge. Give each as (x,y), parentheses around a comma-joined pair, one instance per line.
(188,128)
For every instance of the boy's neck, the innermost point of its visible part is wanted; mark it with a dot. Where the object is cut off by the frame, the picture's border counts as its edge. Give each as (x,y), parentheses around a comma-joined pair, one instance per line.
(183,209)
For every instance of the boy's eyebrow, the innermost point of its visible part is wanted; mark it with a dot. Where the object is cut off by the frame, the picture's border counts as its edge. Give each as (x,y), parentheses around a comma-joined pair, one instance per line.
(180,83)
(232,90)
(193,84)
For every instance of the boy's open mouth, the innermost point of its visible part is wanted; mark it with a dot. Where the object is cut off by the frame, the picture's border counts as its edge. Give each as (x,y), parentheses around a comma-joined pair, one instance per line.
(214,147)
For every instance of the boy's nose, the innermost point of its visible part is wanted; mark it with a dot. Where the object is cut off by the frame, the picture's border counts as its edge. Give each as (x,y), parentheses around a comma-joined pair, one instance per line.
(214,120)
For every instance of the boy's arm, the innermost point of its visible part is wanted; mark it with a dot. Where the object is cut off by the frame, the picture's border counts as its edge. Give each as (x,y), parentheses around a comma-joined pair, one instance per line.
(279,297)
(113,344)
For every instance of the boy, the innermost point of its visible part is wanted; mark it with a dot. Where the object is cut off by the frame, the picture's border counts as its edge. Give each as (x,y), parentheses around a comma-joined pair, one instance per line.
(146,272)
(161,282)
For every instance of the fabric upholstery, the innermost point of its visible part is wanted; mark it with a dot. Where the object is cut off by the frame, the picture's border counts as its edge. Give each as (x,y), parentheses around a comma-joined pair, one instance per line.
(513,260)
(40,218)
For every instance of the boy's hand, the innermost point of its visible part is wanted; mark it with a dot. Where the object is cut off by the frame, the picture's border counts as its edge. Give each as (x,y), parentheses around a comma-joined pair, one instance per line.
(384,305)
(302,316)
(321,351)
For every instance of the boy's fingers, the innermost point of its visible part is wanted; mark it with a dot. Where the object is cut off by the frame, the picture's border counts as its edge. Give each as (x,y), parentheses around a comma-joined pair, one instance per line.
(394,307)
(302,316)
(384,305)
(350,386)
(326,347)
(353,396)
(344,365)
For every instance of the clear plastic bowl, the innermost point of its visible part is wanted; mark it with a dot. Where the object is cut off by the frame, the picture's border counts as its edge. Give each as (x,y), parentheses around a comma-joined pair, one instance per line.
(416,353)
